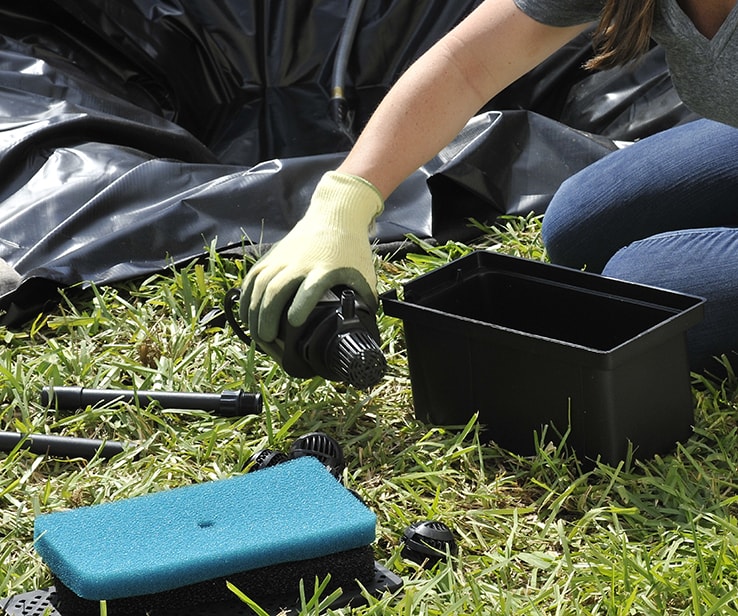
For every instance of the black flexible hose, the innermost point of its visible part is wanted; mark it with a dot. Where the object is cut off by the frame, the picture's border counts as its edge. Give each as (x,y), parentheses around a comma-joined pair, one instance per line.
(339,105)
(229,309)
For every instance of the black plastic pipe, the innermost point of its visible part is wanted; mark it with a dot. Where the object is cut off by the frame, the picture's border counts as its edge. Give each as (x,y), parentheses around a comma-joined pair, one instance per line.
(226,403)
(60,446)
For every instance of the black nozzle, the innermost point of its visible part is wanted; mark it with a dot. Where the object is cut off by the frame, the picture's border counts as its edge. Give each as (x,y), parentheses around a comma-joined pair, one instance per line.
(428,542)
(343,346)
(323,447)
(356,358)
(355,355)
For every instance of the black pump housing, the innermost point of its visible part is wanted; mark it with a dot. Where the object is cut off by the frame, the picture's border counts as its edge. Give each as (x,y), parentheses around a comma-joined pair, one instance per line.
(339,341)
(428,542)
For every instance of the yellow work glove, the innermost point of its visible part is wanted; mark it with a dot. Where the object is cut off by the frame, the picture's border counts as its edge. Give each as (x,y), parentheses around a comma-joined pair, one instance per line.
(328,247)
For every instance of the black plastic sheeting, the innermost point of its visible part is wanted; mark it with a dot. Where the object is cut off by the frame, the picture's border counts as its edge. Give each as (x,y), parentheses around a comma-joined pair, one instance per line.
(137,133)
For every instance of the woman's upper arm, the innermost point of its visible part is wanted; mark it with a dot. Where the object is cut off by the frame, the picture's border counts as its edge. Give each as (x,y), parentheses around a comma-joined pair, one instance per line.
(446,86)
(499,43)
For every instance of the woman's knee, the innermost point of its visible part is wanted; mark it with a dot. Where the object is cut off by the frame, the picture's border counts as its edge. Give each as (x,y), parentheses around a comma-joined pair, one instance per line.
(701,262)
(682,178)
(577,229)
(561,222)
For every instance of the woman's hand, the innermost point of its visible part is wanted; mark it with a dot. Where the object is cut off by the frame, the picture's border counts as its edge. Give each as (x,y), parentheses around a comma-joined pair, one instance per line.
(328,247)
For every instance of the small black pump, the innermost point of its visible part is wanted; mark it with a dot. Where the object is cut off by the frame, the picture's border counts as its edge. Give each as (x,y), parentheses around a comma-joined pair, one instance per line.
(321,446)
(316,444)
(428,542)
(339,340)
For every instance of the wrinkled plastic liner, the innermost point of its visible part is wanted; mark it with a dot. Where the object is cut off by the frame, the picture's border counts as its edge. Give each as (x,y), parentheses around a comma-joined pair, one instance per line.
(135,135)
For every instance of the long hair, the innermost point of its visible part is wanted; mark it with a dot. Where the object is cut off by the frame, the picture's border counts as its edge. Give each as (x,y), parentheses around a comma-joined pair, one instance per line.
(623,33)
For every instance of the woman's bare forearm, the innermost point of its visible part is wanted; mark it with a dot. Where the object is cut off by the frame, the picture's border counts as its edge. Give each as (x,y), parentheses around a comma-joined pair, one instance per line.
(442,90)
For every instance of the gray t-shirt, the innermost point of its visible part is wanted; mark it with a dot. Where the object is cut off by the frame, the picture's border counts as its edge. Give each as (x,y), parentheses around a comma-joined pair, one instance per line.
(704,71)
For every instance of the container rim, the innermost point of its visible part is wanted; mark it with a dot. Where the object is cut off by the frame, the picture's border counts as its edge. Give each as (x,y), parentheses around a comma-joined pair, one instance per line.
(683,311)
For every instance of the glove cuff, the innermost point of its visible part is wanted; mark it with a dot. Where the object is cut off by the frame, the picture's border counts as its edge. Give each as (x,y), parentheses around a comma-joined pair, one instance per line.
(342,197)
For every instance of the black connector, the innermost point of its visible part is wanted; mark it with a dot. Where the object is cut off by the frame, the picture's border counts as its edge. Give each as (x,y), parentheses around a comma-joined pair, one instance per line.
(226,404)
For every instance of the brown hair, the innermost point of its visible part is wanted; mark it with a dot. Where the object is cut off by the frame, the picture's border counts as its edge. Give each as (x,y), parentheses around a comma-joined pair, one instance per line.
(623,33)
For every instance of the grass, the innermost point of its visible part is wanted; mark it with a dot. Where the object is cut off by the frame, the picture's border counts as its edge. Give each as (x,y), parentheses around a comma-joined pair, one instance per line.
(537,534)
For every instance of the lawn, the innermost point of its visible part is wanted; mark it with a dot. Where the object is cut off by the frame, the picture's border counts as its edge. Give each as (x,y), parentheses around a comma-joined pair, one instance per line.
(541,534)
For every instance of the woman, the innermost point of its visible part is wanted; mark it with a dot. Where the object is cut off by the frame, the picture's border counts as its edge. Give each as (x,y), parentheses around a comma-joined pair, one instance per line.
(659,212)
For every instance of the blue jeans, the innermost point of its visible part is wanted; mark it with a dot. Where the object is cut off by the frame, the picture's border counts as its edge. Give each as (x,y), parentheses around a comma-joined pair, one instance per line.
(664,212)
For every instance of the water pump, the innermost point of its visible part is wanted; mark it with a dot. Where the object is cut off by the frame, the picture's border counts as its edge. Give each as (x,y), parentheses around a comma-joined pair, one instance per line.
(339,340)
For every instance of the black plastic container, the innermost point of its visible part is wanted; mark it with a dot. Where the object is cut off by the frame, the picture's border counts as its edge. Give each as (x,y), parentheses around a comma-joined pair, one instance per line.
(529,344)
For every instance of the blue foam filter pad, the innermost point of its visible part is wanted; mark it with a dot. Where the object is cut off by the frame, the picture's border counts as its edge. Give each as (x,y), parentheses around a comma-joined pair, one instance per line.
(166,540)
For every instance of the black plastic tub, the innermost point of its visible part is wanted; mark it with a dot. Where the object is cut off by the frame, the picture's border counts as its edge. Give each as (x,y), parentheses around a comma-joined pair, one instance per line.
(528,344)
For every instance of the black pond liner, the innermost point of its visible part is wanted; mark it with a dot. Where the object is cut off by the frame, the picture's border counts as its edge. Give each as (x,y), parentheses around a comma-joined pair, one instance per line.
(137,135)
